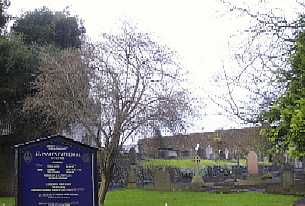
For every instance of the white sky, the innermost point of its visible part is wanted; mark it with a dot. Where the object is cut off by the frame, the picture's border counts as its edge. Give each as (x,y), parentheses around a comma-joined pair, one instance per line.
(196,29)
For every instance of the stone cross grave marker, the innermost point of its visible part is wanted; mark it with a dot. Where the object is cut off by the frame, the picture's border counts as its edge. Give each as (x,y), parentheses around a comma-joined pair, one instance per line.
(56,171)
(196,178)
(196,161)
(252,163)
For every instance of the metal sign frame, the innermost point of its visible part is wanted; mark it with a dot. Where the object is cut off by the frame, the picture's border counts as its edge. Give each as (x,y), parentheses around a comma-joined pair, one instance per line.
(22,157)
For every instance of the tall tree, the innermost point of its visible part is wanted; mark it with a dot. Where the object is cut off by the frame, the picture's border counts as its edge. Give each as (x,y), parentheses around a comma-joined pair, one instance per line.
(287,114)
(19,60)
(18,69)
(44,27)
(4,4)
(62,89)
(135,86)
(269,75)
(261,52)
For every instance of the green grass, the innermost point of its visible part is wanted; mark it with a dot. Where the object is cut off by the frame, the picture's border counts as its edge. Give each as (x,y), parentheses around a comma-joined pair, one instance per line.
(153,198)
(136,197)
(188,163)
(7,201)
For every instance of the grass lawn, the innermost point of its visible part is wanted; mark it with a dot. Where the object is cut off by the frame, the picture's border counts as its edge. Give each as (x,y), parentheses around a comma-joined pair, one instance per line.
(153,198)
(7,201)
(188,163)
(136,197)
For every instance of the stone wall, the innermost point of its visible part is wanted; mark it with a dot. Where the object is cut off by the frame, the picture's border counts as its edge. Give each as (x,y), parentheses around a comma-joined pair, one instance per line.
(242,140)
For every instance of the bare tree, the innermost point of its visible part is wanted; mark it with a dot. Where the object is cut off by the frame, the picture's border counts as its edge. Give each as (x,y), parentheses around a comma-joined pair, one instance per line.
(138,84)
(120,88)
(62,89)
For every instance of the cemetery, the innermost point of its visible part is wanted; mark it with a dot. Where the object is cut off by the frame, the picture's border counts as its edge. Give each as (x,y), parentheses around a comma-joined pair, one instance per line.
(216,176)
(168,117)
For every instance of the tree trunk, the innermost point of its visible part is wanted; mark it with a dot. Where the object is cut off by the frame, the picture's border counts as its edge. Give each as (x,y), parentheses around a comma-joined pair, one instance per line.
(103,188)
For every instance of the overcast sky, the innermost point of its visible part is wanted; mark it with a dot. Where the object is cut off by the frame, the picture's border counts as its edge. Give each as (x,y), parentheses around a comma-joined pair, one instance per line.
(197,29)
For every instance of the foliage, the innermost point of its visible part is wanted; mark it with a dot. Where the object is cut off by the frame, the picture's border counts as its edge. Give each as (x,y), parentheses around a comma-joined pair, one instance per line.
(16,58)
(18,69)
(20,56)
(270,75)
(260,52)
(152,198)
(286,117)
(4,4)
(44,27)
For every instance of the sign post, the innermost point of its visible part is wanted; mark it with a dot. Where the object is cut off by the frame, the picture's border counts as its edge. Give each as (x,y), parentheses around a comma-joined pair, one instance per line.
(56,171)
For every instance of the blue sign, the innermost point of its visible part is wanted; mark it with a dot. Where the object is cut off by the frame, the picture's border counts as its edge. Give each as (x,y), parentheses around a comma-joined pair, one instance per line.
(56,171)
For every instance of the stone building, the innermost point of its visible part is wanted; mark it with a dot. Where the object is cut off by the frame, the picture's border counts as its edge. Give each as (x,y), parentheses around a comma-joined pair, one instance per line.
(232,141)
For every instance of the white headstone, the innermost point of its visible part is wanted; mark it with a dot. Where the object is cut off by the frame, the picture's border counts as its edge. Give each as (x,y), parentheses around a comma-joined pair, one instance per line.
(197,147)
(286,157)
(226,153)
(209,152)
(298,164)
(266,159)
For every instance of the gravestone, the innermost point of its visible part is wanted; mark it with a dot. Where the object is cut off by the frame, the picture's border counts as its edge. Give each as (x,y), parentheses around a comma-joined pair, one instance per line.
(287,178)
(162,179)
(132,156)
(132,178)
(209,152)
(197,179)
(221,155)
(201,153)
(56,171)
(252,163)
(266,159)
(298,164)
(236,171)
(226,153)
(197,147)
(196,163)
(209,171)
(286,158)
